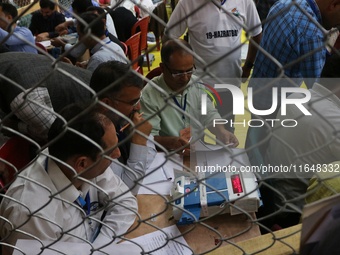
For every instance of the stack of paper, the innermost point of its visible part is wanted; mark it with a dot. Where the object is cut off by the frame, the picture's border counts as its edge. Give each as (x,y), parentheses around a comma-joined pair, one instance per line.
(159,176)
(161,242)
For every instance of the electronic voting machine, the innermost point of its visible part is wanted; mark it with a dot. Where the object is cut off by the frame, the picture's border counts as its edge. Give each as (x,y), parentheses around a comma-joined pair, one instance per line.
(221,183)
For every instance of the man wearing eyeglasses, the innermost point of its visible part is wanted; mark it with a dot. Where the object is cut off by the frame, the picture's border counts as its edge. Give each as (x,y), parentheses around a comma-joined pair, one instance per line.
(119,91)
(172,100)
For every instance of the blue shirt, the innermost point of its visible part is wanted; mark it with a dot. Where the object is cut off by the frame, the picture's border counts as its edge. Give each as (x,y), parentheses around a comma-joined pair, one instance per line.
(288,36)
(16,41)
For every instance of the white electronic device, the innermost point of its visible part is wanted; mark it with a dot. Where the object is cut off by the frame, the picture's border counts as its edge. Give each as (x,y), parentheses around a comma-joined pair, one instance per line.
(217,186)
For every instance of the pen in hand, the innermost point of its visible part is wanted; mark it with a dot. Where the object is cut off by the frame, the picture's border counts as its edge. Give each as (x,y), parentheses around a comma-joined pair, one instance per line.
(128,124)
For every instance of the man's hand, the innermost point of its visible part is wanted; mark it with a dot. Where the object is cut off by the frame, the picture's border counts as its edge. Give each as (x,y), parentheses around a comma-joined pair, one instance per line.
(67,60)
(227,137)
(42,37)
(245,73)
(62,28)
(224,135)
(174,143)
(57,42)
(144,128)
(82,64)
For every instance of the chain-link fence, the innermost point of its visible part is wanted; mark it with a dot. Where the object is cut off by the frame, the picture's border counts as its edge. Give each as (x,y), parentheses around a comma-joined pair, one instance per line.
(187,180)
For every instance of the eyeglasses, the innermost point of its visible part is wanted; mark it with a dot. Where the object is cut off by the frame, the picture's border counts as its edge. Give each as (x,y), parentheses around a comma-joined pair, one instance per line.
(177,74)
(132,103)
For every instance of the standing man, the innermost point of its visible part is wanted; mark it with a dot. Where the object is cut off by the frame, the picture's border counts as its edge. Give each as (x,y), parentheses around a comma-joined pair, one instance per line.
(215,29)
(308,146)
(175,104)
(45,20)
(123,20)
(294,46)
(289,50)
(14,37)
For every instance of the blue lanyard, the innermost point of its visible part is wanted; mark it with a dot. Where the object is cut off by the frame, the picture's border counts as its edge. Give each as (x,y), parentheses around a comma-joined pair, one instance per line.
(184,106)
(223,2)
(84,204)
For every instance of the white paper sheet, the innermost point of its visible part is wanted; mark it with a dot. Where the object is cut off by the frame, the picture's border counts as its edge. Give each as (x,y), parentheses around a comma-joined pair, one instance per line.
(157,239)
(33,247)
(46,43)
(160,175)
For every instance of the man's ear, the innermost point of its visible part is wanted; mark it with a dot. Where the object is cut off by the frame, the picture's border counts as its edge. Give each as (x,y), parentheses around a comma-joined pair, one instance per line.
(161,65)
(105,100)
(81,163)
(334,4)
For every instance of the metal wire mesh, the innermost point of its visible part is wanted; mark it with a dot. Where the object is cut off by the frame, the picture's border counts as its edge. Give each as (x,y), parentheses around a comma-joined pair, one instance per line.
(48,74)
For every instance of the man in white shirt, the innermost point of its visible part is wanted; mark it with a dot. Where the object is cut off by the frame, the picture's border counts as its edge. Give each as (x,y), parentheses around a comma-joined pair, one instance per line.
(215,29)
(128,4)
(69,193)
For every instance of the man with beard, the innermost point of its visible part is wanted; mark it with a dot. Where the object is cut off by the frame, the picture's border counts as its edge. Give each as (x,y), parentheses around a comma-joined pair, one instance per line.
(45,20)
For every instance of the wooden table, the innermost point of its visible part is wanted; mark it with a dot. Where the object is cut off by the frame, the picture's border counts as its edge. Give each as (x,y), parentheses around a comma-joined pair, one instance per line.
(155,211)
(282,242)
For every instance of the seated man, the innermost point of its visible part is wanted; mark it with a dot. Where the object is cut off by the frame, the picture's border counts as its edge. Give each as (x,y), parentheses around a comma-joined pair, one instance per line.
(106,18)
(64,183)
(121,97)
(21,38)
(34,117)
(102,51)
(311,142)
(54,89)
(45,20)
(80,7)
(175,104)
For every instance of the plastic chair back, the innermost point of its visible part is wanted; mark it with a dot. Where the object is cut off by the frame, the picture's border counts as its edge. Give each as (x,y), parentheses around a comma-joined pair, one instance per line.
(14,156)
(133,49)
(41,47)
(143,26)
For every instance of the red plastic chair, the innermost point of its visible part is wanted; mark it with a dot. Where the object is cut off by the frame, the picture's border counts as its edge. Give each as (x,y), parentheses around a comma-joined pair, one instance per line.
(14,156)
(133,50)
(143,25)
(153,73)
(41,47)
(125,48)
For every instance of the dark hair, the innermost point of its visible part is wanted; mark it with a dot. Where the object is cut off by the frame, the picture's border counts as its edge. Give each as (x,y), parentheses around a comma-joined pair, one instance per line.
(110,77)
(80,6)
(172,46)
(9,9)
(47,4)
(96,8)
(65,142)
(94,22)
